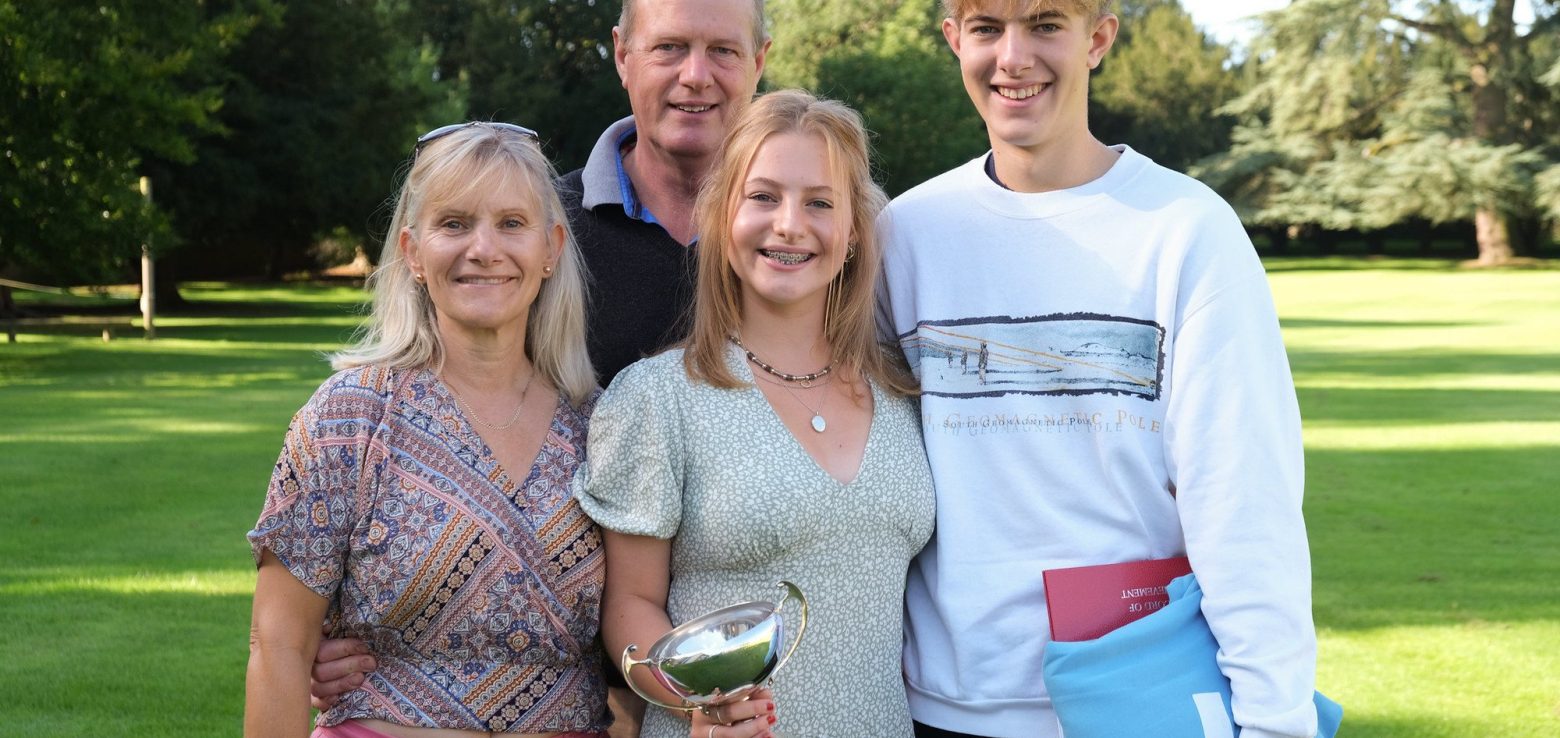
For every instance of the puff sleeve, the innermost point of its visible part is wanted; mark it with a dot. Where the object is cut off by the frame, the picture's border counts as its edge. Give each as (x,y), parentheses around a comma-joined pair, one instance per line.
(632,478)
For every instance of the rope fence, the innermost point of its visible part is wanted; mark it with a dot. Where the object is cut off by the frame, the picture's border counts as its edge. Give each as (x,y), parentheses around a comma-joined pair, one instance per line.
(32,287)
(8,305)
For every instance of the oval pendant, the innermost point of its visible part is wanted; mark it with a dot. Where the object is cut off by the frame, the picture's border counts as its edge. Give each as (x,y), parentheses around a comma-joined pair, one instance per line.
(818,424)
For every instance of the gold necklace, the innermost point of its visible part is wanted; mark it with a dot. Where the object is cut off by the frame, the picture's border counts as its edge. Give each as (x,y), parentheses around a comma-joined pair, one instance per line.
(512,418)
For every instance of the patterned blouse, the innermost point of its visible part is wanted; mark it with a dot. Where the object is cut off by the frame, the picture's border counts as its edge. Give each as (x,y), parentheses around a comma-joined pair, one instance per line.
(717,473)
(479,593)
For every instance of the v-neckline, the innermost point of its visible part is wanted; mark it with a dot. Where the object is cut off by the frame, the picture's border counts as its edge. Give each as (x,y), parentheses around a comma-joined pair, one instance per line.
(732,356)
(503,480)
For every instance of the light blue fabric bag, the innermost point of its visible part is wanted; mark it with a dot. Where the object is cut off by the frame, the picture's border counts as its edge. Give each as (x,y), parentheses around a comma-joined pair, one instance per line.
(1157,676)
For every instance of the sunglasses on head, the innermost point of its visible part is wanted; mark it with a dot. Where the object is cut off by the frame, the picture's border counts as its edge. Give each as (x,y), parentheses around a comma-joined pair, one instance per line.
(443,131)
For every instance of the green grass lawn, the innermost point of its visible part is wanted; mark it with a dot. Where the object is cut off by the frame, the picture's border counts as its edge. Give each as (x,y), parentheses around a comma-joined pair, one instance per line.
(1431,401)
(130,470)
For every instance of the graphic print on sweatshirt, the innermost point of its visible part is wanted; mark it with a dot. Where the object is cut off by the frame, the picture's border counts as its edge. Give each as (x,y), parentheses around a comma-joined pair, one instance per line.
(1061,354)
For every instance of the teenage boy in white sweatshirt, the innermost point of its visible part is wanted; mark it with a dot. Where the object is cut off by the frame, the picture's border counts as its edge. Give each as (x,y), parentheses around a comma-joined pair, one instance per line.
(1104,381)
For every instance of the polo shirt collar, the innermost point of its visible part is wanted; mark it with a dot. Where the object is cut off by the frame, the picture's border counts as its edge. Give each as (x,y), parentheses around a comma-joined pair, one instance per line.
(605,181)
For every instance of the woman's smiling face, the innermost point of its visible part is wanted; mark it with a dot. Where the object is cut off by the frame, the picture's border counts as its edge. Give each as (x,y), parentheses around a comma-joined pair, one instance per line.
(483,256)
(790,227)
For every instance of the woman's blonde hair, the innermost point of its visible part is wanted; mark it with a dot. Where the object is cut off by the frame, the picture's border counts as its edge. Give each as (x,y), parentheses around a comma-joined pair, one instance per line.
(850,327)
(401,330)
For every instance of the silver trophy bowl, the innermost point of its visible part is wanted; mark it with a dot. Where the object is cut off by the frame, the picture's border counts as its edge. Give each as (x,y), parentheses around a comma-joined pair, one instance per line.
(720,656)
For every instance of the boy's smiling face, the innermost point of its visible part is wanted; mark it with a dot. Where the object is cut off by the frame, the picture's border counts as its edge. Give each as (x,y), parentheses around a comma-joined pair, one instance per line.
(1026,67)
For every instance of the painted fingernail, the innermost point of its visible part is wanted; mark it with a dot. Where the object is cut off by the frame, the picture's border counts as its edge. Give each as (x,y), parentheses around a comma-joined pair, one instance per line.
(771,719)
(769,706)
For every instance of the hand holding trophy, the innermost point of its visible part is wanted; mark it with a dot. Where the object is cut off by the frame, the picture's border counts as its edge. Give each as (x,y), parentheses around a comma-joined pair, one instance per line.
(720,657)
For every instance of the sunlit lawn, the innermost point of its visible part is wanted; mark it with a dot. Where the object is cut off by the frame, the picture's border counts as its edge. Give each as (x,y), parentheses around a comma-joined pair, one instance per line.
(1431,400)
(129,471)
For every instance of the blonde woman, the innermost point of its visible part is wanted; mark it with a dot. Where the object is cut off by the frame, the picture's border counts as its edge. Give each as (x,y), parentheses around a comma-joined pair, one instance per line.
(421,501)
(778,442)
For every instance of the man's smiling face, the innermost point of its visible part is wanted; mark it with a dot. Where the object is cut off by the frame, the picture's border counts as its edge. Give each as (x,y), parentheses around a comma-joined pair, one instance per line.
(689,66)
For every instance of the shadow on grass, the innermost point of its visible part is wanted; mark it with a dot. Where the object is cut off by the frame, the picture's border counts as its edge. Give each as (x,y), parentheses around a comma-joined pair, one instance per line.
(1302,323)
(1420,363)
(1397,406)
(1274,264)
(277,334)
(1345,263)
(276,309)
(94,366)
(1430,537)
(306,300)
(295,331)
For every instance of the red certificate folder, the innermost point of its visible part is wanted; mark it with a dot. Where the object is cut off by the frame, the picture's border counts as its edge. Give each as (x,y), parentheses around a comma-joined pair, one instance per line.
(1086,602)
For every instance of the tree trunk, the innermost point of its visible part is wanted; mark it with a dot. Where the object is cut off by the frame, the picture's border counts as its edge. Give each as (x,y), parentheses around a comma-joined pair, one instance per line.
(1491,65)
(1493,232)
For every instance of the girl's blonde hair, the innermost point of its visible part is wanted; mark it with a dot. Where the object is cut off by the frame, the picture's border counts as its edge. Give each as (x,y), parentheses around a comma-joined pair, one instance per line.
(850,327)
(401,331)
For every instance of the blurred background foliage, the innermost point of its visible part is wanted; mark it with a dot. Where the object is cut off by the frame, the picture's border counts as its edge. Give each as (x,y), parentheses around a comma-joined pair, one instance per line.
(272,131)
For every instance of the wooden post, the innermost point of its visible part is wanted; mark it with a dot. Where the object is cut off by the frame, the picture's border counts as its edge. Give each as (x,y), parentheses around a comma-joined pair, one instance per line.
(8,309)
(148,288)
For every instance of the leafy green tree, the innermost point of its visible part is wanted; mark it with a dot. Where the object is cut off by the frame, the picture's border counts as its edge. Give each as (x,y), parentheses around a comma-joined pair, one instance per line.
(889,61)
(1367,114)
(543,64)
(90,91)
(322,106)
(1548,182)
(1161,87)
(1158,90)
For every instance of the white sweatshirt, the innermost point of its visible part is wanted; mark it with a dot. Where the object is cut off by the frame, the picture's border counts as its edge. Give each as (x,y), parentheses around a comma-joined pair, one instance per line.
(1104,381)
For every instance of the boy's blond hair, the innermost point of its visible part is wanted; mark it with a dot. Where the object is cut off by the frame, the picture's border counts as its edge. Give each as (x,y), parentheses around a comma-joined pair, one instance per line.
(958,9)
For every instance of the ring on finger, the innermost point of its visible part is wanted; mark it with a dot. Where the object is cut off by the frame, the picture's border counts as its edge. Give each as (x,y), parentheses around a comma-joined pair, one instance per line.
(712,731)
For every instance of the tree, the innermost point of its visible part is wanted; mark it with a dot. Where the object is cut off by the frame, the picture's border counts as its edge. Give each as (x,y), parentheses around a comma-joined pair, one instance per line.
(1369,113)
(1157,90)
(888,60)
(91,90)
(543,64)
(321,107)
(1161,87)
(1548,183)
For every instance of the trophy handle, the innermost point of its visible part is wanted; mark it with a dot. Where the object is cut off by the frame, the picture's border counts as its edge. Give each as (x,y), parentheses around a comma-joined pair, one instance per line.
(790,591)
(629,663)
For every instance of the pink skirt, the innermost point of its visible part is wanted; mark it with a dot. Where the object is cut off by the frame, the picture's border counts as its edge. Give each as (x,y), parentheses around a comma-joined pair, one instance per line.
(355,729)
